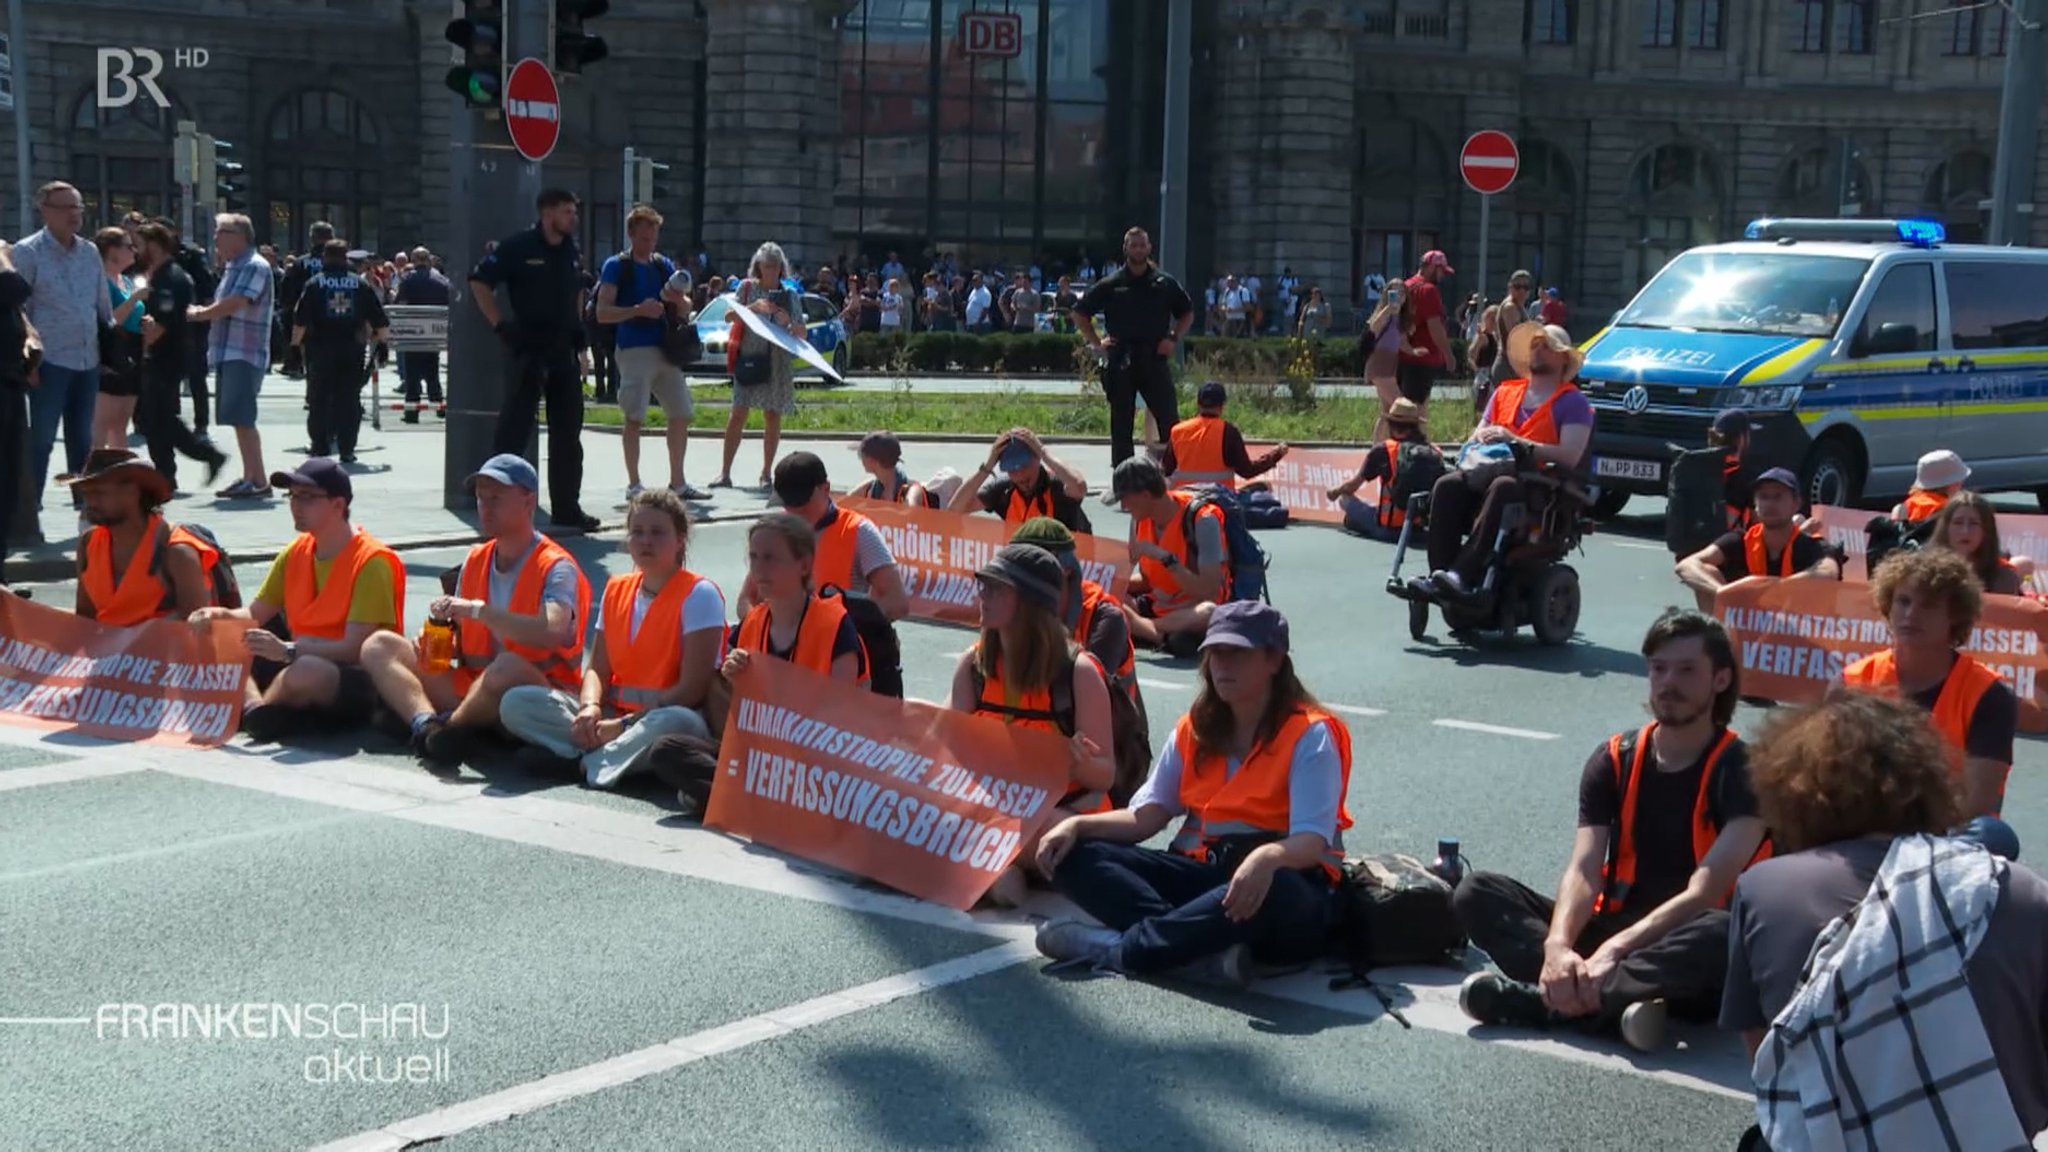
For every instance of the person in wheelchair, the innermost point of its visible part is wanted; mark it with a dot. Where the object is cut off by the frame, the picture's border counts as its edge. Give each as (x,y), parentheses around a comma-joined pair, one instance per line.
(1548,422)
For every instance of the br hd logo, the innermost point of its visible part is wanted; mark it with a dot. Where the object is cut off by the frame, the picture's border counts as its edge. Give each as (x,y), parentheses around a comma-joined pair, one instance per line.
(125,73)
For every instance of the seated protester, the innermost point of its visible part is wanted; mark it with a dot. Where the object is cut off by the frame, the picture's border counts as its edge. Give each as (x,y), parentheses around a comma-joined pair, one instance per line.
(1666,824)
(518,611)
(1730,433)
(133,565)
(1094,618)
(1034,483)
(1967,526)
(1547,419)
(327,593)
(1404,465)
(1259,771)
(1183,562)
(1207,449)
(660,634)
(1012,673)
(1772,546)
(1939,475)
(1857,800)
(852,557)
(1932,600)
(881,455)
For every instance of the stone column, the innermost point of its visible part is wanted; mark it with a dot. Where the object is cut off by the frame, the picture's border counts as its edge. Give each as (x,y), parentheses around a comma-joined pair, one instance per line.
(772,127)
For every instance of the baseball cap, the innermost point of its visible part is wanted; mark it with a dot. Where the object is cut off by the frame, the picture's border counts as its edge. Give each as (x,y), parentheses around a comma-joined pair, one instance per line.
(1017,456)
(1436,256)
(317,472)
(1781,476)
(882,447)
(1734,420)
(1246,624)
(506,468)
(1211,394)
(1031,571)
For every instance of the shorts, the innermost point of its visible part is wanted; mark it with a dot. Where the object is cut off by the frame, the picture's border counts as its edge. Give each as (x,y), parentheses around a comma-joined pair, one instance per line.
(645,371)
(1416,380)
(355,699)
(236,386)
(1144,605)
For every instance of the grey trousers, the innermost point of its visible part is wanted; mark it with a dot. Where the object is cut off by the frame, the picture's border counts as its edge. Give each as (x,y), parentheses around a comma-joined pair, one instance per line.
(543,717)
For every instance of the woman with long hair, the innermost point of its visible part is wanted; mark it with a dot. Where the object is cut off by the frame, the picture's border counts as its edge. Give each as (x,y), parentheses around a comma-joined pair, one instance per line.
(121,372)
(1026,670)
(1259,771)
(764,376)
(1968,526)
(881,457)
(1385,335)
(1314,323)
(660,634)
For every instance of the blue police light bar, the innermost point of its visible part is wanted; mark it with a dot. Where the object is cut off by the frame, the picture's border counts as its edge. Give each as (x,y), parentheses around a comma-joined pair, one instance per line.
(1918,233)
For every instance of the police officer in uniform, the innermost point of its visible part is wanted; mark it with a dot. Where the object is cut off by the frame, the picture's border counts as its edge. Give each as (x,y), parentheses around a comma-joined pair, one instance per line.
(1146,312)
(334,309)
(294,286)
(542,274)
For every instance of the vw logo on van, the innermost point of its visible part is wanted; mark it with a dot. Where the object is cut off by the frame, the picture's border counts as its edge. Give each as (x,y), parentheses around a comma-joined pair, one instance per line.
(1636,400)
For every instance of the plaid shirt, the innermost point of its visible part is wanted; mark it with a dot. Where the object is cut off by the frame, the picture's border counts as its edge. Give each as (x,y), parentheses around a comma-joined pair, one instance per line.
(1882,1046)
(244,336)
(70,300)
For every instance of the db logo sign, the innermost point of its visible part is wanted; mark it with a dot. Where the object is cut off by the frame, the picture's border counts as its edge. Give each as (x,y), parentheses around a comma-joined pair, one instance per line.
(994,34)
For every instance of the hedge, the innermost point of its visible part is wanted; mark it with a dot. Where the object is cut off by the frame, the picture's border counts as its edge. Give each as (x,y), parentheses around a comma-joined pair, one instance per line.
(1059,354)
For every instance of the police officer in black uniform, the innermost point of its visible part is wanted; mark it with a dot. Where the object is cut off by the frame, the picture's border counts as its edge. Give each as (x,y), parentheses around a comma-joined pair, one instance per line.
(1146,312)
(542,274)
(422,284)
(334,309)
(294,286)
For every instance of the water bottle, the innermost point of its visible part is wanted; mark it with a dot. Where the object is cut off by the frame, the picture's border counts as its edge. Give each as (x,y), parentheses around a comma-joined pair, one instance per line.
(437,646)
(1449,865)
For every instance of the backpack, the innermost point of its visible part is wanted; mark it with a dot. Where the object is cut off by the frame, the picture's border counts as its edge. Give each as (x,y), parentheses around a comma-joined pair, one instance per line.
(1245,555)
(1417,468)
(1392,910)
(1130,729)
(1262,509)
(1696,508)
(878,636)
(1886,536)
(226,590)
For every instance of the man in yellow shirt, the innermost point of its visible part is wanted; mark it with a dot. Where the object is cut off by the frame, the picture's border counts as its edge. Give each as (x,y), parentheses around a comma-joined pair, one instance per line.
(331,589)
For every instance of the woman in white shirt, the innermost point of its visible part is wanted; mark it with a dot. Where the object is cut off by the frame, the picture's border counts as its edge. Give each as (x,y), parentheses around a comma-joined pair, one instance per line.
(892,306)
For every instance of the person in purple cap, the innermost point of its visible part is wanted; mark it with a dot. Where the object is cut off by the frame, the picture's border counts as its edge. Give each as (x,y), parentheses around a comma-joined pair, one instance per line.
(1257,770)
(1772,546)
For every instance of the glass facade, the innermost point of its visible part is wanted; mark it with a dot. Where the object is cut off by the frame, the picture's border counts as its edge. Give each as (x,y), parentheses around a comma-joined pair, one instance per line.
(1011,158)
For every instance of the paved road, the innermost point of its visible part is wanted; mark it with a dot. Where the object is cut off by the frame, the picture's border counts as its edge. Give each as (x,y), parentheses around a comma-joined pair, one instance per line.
(613,981)
(1050,385)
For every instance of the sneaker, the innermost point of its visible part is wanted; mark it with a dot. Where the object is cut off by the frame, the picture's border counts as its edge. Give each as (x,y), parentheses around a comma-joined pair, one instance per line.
(1491,998)
(240,489)
(633,490)
(689,491)
(1642,1025)
(1230,968)
(607,776)
(1076,940)
(264,723)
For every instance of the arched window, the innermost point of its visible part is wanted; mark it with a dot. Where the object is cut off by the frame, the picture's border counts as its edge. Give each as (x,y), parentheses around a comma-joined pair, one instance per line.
(1404,195)
(1545,196)
(1674,203)
(322,159)
(121,157)
(1810,184)
(1955,193)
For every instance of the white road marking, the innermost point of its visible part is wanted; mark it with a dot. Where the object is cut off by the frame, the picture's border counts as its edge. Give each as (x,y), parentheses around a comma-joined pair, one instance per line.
(1166,685)
(1642,544)
(526,1098)
(1494,729)
(43,774)
(1355,709)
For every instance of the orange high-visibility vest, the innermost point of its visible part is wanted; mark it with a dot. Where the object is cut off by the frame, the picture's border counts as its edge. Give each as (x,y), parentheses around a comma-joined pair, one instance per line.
(1756,554)
(1094,599)
(1255,801)
(322,613)
(815,634)
(1618,872)
(142,592)
(1964,689)
(1034,709)
(1540,425)
(1391,512)
(1022,507)
(1198,452)
(563,667)
(1920,504)
(1174,539)
(838,549)
(644,665)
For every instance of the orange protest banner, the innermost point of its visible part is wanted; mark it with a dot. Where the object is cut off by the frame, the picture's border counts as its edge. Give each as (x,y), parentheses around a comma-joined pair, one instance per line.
(163,682)
(929,801)
(938,554)
(1302,481)
(1843,527)
(2019,534)
(1794,637)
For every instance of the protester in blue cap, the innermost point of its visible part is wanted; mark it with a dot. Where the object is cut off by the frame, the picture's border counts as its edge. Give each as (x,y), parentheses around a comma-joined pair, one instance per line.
(1033,482)
(1258,771)
(1774,545)
(517,608)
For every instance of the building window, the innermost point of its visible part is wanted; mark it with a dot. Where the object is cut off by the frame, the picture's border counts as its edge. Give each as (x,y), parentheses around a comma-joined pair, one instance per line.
(1405,203)
(1552,21)
(121,158)
(1956,190)
(1660,23)
(1977,29)
(1811,184)
(1703,25)
(1810,33)
(1545,201)
(1674,204)
(324,161)
(1858,20)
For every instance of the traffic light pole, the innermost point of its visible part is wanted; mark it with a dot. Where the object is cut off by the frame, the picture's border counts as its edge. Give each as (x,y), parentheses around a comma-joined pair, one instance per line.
(491,194)
(2019,126)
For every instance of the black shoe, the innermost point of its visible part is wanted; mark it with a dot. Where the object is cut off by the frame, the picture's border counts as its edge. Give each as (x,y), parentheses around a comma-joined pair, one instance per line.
(1491,998)
(445,744)
(534,760)
(265,723)
(348,457)
(577,519)
(412,416)
(214,464)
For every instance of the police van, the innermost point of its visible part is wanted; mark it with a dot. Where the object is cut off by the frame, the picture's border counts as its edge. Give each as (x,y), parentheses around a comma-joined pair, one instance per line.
(1855,345)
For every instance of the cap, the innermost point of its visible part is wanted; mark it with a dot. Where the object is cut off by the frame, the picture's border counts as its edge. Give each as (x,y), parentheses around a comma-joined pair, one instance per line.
(1550,292)
(1017,456)
(506,468)
(1781,476)
(1735,420)
(359,253)
(317,472)
(1247,624)
(1034,573)
(1436,256)
(1135,475)
(882,447)
(1211,394)
(1044,532)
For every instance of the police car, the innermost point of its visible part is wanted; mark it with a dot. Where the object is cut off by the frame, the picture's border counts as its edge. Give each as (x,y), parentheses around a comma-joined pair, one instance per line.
(824,329)
(1856,346)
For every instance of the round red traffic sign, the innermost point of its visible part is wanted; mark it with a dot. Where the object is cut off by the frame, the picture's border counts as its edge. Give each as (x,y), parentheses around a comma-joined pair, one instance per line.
(1489,161)
(533,109)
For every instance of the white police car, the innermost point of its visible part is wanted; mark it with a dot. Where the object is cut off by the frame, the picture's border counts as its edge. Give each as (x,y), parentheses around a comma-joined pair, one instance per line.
(826,332)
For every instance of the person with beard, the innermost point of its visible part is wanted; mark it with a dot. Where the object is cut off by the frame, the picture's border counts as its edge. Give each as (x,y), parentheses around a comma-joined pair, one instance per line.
(1145,313)
(1667,821)
(133,565)
(1771,546)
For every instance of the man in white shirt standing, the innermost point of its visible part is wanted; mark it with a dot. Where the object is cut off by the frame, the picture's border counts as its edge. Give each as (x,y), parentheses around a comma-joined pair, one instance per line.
(67,303)
(978,304)
(1236,307)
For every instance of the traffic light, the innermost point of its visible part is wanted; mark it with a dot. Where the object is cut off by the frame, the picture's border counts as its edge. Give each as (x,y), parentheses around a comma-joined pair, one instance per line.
(228,184)
(480,33)
(646,181)
(570,48)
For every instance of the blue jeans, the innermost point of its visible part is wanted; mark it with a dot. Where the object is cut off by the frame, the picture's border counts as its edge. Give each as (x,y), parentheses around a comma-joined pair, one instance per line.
(1994,834)
(1170,907)
(69,395)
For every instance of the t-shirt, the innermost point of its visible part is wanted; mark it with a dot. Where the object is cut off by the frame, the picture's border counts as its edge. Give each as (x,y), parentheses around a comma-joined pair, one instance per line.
(1571,408)
(1315,777)
(557,587)
(846,639)
(1807,551)
(1664,808)
(373,600)
(1781,904)
(1990,736)
(633,282)
(1109,635)
(995,497)
(703,608)
(170,295)
(1425,303)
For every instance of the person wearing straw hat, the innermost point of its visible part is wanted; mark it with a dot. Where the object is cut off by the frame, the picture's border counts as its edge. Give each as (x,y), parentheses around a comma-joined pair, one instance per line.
(1405,464)
(1547,420)
(1940,475)
(133,565)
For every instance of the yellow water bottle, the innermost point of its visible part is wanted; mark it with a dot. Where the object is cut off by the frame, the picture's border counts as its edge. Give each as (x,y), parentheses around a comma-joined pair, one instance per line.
(437,646)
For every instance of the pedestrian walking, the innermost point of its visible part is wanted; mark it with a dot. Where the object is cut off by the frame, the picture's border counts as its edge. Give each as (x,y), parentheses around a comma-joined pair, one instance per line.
(238,345)
(167,336)
(68,304)
(1145,313)
(422,284)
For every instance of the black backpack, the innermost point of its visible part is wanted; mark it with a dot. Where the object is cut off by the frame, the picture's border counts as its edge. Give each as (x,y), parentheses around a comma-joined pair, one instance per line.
(227,591)
(1391,911)
(1129,727)
(1418,465)
(1885,536)
(1246,556)
(878,637)
(1695,500)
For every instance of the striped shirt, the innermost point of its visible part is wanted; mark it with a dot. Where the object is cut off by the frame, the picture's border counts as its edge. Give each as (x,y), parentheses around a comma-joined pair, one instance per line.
(244,336)
(68,301)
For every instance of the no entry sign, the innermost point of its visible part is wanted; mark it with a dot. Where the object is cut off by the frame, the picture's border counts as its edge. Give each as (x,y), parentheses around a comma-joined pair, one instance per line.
(1489,162)
(533,109)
